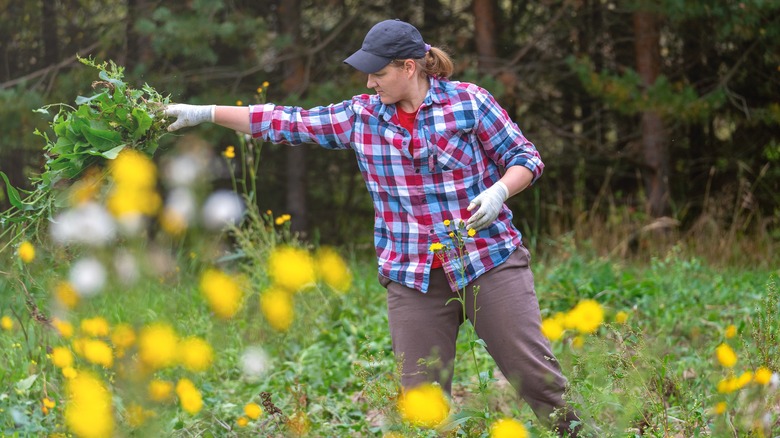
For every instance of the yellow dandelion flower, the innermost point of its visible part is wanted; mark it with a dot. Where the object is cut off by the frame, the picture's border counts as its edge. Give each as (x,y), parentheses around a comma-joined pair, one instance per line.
(447,222)
(66,295)
(585,317)
(64,328)
(222,291)
(88,409)
(160,390)
(424,406)
(265,84)
(621,317)
(726,356)
(471,232)
(26,252)
(259,90)
(239,103)
(61,357)
(552,329)
(98,352)
(242,421)
(508,428)
(136,415)
(47,404)
(97,327)
(720,408)
(6,323)
(333,270)
(189,396)
(195,354)
(123,336)
(578,342)
(436,246)
(730,332)
(229,152)
(277,307)
(253,410)
(157,346)
(291,268)
(69,373)
(173,222)
(133,169)
(762,376)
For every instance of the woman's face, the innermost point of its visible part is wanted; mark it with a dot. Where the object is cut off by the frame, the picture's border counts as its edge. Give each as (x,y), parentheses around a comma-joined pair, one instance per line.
(391,83)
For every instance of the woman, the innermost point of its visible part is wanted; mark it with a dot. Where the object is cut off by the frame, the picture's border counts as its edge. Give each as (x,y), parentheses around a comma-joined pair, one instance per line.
(432,152)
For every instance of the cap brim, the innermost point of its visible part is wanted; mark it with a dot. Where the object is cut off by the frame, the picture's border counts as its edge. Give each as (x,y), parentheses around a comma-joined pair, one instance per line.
(367,62)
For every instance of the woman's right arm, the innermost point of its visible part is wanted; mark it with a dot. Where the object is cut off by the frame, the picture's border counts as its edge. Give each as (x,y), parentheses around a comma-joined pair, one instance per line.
(233,117)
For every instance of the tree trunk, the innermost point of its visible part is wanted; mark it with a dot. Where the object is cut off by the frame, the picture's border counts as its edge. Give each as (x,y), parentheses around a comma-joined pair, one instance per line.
(655,147)
(51,54)
(289,14)
(485,34)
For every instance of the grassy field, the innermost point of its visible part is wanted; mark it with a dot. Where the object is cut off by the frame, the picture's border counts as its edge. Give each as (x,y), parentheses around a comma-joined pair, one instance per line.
(168,328)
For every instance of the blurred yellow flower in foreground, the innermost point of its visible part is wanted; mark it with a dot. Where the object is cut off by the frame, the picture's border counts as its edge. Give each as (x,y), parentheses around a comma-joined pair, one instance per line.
(88,410)
(242,421)
(229,152)
(64,328)
(277,307)
(424,406)
(333,270)
(6,323)
(720,408)
(189,396)
(552,329)
(134,169)
(157,345)
(732,384)
(123,337)
(160,390)
(195,354)
(291,268)
(508,428)
(26,252)
(222,291)
(61,357)
(97,352)
(97,327)
(586,316)
(253,410)
(66,294)
(763,376)
(726,356)
(731,331)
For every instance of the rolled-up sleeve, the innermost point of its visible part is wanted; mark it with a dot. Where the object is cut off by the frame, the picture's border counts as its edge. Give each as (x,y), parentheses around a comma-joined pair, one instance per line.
(502,139)
(328,126)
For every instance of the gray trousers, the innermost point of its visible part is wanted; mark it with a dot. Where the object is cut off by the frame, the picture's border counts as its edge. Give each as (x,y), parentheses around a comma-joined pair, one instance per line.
(424,332)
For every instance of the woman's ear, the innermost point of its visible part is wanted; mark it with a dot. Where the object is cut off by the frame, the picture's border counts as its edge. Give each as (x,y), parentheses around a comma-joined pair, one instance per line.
(410,67)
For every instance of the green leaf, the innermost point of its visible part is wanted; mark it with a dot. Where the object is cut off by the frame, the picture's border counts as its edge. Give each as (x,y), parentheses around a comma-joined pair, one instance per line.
(25,384)
(101,138)
(13,194)
(109,154)
(144,122)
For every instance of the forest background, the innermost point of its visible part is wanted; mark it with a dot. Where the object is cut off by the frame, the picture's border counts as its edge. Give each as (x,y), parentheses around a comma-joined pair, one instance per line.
(649,115)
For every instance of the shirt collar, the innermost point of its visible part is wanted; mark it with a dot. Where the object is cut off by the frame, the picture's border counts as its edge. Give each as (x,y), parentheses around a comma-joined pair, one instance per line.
(437,94)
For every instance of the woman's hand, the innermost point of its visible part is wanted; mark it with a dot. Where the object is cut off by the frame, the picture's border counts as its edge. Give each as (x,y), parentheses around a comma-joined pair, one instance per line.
(489,203)
(189,115)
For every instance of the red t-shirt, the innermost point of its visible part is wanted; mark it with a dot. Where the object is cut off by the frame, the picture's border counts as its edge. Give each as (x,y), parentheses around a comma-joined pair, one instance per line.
(406,120)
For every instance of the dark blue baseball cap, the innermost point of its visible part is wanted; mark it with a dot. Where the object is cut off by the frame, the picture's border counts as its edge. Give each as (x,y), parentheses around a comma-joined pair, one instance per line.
(386,41)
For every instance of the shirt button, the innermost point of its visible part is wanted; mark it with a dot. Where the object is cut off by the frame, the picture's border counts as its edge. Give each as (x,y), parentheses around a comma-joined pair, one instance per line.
(430,231)
(417,170)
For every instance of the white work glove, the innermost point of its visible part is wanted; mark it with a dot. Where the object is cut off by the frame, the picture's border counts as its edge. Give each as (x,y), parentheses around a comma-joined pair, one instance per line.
(490,202)
(189,115)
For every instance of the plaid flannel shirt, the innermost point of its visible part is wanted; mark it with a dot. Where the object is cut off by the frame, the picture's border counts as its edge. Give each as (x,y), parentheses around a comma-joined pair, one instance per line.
(462,138)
